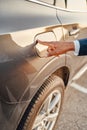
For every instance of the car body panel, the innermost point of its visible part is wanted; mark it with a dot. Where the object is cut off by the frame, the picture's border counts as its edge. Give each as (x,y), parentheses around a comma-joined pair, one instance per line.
(21,14)
(76,63)
(73,32)
(22,71)
(67,17)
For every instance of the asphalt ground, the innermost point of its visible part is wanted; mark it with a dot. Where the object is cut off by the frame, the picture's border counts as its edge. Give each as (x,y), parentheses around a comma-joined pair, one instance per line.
(74,111)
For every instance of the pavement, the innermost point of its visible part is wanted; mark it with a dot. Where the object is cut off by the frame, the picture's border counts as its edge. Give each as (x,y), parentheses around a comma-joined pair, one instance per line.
(74,111)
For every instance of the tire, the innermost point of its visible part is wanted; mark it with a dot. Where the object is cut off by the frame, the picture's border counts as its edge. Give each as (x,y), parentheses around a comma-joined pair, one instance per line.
(45,106)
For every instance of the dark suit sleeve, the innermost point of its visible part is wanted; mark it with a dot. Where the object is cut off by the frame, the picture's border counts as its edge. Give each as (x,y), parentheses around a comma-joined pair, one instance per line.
(83,47)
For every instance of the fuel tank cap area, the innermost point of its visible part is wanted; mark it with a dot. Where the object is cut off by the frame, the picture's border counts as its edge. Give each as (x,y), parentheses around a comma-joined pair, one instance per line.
(41,50)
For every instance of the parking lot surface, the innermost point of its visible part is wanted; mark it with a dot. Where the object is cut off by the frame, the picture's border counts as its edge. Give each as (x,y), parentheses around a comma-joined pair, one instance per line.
(74,112)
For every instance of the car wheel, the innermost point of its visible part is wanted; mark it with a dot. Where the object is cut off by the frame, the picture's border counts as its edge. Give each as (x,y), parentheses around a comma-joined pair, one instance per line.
(45,106)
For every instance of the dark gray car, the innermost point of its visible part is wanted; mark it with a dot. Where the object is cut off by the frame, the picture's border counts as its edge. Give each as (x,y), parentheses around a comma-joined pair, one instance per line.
(32,88)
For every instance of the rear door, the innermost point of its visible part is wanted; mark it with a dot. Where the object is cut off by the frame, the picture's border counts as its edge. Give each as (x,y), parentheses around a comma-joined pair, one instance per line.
(75,28)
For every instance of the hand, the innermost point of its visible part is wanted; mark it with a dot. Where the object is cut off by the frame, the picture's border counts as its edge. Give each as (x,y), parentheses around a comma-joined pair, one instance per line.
(56,48)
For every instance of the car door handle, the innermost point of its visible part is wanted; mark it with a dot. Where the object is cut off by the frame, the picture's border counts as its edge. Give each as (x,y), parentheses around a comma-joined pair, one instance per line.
(74,32)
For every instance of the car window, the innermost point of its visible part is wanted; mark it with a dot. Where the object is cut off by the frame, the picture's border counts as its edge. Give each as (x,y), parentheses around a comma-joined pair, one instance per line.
(60,3)
(46,1)
(70,4)
(78,5)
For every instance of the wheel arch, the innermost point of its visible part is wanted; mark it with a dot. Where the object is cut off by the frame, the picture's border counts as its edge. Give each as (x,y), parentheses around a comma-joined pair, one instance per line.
(63,73)
(33,101)
(58,69)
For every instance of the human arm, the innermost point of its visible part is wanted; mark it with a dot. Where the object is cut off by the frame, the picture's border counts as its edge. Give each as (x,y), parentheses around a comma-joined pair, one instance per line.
(83,47)
(56,48)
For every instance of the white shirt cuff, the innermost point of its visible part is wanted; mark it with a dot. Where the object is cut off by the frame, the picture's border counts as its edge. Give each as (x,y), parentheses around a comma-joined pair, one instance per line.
(77,47)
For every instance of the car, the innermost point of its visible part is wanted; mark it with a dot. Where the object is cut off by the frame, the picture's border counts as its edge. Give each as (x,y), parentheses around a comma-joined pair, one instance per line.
(32,88)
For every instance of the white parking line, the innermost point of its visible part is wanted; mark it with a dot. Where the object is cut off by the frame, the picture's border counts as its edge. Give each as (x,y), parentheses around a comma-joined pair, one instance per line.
(80,73)
(78,87)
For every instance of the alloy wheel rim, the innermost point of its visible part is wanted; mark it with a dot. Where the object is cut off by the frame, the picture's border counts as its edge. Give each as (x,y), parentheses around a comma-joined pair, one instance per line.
(48,112)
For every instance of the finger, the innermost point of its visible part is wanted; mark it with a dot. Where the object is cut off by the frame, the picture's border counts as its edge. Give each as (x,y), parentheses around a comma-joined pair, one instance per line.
(45,43)
(51,49)
(51,52)
(54,52)
(41,42)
